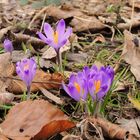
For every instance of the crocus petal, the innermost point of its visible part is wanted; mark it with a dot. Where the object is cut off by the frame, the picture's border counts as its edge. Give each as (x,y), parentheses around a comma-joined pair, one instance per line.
(71,92)
(62,43)
(48,31)
(100,95)
(60,29)
(42,37)
(72,78)
(68,32)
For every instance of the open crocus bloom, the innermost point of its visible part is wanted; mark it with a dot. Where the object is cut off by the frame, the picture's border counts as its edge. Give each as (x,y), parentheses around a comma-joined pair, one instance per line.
(57,38)
(8,46)
(100,81)
(26,70)
(77,88)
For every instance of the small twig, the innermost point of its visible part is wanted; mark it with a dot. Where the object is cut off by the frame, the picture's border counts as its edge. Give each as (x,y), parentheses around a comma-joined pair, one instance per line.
(44,82)
(37,15)
(27,38)
(132,14)
(43,22)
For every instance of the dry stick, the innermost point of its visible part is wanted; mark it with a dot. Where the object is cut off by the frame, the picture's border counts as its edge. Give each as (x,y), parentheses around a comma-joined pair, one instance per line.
(37,15)
(43,22)
(44,82)
(132,14)
(29,39)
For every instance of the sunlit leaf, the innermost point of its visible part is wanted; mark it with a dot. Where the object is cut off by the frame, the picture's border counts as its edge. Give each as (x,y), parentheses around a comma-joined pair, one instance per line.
(135,102)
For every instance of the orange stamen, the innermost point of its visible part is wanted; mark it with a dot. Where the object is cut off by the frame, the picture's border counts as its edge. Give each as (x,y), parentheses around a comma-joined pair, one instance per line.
(26,67)
(97,86)
(77,86)
(55,36)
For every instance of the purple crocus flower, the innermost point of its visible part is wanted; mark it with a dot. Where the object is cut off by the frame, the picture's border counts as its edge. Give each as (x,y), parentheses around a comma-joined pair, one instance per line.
(57,38)
(100,81)
(77,87)
(8,46)
(26,70)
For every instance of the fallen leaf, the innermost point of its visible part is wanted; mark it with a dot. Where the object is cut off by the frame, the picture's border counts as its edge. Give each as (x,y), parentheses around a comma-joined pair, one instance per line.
(131,53)
(41,80)
(6,97)
(77,57)
(135,102)
(111,130)
(52,97)
(6,69)
(2,137)
(51,53)
(80,20)
(134,123)
(36,119)
(19,55)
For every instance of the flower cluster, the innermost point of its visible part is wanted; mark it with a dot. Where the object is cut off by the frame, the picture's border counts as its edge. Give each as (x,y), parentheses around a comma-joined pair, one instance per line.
(93,81)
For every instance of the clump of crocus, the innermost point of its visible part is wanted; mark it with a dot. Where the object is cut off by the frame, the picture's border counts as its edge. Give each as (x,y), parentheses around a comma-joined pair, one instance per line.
(26,70)
(8,46)
(90,85)
(56,38)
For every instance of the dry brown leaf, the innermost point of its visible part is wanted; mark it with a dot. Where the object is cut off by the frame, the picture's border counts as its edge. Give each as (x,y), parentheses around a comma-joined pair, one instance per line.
(36,119)
(53,128)
(51,96)
(6,97)
(6,69)
(134,129)
(51,53)
(80,20)
(131,53)
(2,137)
(41,80)
(109,129)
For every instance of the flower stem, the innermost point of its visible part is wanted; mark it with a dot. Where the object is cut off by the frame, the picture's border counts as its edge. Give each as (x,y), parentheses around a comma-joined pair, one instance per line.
(28,92)
(59,60)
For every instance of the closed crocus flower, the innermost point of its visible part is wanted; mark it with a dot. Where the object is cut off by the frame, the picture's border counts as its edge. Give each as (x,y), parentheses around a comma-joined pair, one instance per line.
(100,81)
(77,87)
(57,38)
(8,46)
(26,70)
